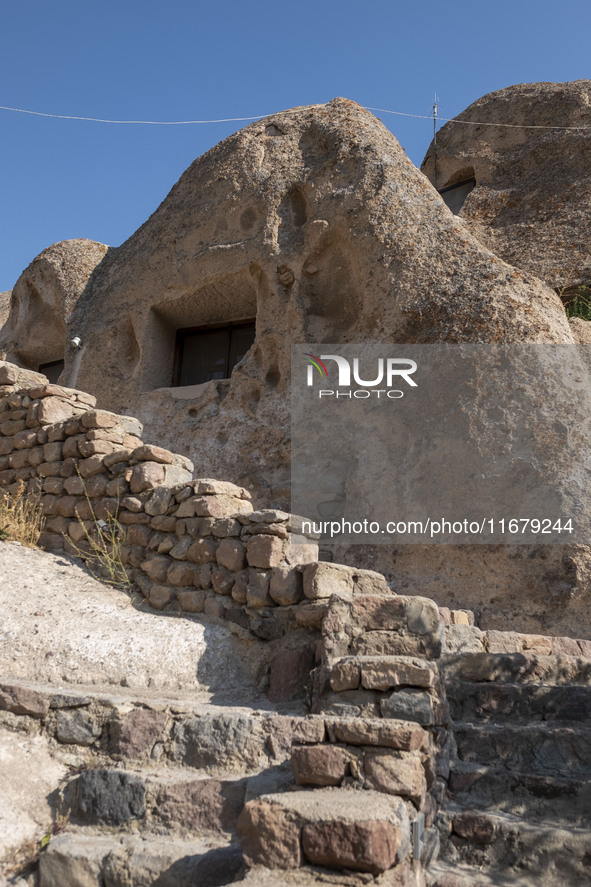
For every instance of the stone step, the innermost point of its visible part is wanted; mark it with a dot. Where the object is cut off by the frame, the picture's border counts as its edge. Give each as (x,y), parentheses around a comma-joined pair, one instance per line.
(522,668)
(538,748)
(137,726)
(561,801)
(333,828)
(176,800)
(444,874)
(518,703)
(95,860)
(512,846)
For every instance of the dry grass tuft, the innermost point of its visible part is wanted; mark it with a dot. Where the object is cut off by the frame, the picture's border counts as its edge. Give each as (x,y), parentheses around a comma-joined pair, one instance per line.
(21,519)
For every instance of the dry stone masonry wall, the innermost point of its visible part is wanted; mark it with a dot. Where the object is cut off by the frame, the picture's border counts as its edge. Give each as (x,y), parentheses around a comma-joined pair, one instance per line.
(365,763)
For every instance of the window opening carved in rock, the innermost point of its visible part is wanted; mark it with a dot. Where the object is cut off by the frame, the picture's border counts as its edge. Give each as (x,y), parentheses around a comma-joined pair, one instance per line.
(52,370)
(212,352)
(454,196)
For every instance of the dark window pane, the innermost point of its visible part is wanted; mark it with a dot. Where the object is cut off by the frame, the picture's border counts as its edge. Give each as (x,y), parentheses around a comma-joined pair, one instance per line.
(455,195)
(240,341)
(204,356)
(52,370)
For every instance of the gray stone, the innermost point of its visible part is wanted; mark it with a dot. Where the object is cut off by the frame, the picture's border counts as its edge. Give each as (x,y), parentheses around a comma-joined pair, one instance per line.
(222,740)
(409,705)
(109,797)
(76,728)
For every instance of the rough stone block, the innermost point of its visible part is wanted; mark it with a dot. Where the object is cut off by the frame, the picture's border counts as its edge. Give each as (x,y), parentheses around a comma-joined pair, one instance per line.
(146,476)
(289,673)
(269,836)
(203,551)
(191,600)
(231,554)
(396,775)
(226,741)
(181,574)
(402,735)
(99,419)
(109,797)
(286,586)
(322,580)
(364,846)
(477,828)
(319,764)
(149,453)
(202,805)
(54,409)
(136,732)
(159,502)
(160,596)
(264,551)
(76,728)
(383,674)
(23,701)
(156,567)
(222,581)
(409,705)
(257,590)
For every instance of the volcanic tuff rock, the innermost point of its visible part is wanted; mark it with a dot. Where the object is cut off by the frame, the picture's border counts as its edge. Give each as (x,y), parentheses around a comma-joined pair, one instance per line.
(4,307)
(533,186)
(315,222)
(43,297)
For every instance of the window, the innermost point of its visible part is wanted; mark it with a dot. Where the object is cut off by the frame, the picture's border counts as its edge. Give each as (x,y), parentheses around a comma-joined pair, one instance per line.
(206,353)
(455,195)
(52,370)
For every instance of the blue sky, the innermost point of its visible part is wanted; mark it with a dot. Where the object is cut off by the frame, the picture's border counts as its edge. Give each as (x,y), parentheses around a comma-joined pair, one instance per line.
(179,60)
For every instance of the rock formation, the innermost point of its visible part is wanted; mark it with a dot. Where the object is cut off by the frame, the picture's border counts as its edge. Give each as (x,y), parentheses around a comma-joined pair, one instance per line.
(33,332)
(4,307)
(315,223)
(530,204)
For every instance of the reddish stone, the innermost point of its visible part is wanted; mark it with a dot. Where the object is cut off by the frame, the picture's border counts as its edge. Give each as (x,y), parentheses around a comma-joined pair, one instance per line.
(137,731)
(269,836)
(264,551)
(319,764)
(22,701)
(364,846)
(289,673)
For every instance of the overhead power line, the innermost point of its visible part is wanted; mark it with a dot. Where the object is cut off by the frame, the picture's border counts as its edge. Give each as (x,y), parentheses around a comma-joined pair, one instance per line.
(291,110)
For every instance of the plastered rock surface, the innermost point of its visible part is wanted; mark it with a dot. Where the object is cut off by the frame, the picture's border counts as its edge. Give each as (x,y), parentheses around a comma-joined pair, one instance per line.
(531,202)
(315,223)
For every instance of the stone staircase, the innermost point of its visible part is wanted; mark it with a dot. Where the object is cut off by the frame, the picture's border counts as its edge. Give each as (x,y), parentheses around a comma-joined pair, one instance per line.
(519,811)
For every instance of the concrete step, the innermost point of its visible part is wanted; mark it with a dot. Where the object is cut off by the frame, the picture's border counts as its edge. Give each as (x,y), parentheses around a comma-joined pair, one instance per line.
(508,845)
(539,749)
(519,668)
(559,801)
(95,860)
(518,703)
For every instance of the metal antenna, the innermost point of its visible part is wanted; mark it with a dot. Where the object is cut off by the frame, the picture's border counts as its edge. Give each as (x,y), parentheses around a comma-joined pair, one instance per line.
(435,140)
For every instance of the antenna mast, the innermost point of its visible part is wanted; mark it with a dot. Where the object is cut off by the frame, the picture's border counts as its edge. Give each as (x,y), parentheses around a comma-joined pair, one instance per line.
(435,140)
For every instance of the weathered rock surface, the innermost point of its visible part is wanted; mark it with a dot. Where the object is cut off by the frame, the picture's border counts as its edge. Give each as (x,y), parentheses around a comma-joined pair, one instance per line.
(315,223)
(82,632)
(530,205)
(34,331)
(4,307)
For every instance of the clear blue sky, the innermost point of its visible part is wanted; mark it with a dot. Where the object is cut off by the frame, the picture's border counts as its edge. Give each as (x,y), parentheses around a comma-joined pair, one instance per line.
(188,59)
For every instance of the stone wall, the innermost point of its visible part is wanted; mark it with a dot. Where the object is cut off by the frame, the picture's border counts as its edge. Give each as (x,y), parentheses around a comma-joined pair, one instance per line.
(379,717)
